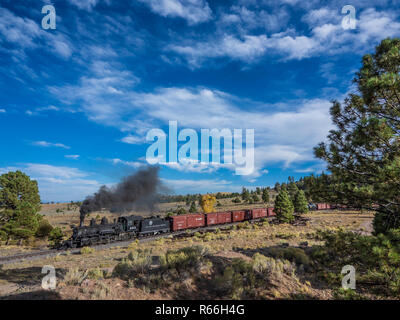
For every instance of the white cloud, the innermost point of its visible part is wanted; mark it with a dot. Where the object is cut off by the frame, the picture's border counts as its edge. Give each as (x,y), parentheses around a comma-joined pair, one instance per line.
(200,185)
(288,131)
(2,111)
(321,16)
(133,164)
(58,183)
(245,19)
(133,139)
(325,37)
(25,34)
(49,144)
(45,170)
(72,156)
(102,96)
(193,11)
(37,111)
(87,5)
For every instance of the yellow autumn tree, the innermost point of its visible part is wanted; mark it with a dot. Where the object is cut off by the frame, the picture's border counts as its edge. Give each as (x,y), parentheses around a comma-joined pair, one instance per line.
(207,203)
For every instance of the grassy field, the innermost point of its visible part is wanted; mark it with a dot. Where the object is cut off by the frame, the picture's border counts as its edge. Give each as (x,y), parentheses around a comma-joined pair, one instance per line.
(257,261)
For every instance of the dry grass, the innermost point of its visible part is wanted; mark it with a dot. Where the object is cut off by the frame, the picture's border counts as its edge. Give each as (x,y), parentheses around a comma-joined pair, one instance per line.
(223,245)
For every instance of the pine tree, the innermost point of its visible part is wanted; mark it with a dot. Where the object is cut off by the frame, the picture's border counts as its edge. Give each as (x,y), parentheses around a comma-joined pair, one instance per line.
(265,195)
(245,194)
(255,198)
(300,202)
(193,208)
(363,153)
(292,189)
(19,204)
(284,207)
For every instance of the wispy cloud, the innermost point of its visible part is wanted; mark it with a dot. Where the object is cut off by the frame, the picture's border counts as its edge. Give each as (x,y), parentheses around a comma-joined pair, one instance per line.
(326,37)
(49,144)
(72,156)
(2,110)
(133,164)
(41,109)
(133,139)
(193,11)
(200,185)
(58,183)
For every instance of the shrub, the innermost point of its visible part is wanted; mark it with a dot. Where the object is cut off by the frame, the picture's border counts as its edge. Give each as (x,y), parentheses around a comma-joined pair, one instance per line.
(267,265)
(347,294)
(87,250)
(236,280)
(96,274)
(44,229)
(185,258)
(136,262)
(75,276)
(56,236)
(236,200)
(295,255)
(376,258)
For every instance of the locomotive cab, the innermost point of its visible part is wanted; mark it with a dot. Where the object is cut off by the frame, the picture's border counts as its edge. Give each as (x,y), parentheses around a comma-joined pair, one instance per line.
(130,224)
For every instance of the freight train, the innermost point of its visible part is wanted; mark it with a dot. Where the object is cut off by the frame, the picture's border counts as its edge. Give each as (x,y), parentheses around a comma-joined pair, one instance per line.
(129,227)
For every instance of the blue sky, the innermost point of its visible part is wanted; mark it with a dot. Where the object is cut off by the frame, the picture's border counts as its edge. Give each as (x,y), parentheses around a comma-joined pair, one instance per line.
(77,102)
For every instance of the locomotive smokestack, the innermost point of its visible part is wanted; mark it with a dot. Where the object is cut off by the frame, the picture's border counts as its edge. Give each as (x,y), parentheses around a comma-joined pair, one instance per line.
(138,189)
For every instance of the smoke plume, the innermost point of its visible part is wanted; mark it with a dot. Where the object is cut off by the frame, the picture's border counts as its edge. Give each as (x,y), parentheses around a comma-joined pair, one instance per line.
(137,190)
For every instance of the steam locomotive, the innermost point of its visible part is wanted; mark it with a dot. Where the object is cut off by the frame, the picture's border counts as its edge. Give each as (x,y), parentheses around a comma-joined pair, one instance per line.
(129,227)
(122,229)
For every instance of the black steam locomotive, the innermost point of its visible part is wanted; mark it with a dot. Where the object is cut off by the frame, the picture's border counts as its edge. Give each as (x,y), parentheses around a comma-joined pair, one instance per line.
(124,228)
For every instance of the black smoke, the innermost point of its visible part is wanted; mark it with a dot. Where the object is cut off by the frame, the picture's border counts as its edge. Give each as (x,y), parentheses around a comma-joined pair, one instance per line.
(137,190)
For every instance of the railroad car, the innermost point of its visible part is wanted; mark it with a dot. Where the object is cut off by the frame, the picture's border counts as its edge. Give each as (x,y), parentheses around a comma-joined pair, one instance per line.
(224,217)
(259,213)
(127,227)
(238,215)
(195,220)
(187,221)
(211,218)
(271,212)
(178,223)
(322,206)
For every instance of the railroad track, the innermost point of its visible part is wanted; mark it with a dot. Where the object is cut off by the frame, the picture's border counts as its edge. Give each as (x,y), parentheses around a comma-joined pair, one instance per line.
(124,243)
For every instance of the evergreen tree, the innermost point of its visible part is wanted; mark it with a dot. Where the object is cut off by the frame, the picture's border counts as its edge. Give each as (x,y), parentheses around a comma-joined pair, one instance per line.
(300,202)
(284,207)
(255,198)
(364,150)
(277,187)
(265,195)
(19,204)
(245,194)
(292,189)
(236,200)
(193,208)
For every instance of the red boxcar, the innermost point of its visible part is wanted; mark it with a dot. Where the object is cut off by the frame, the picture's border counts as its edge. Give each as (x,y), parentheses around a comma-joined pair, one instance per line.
(211,219)
(187,221)
(259,213)
(271,212)
(178,222)
(238,215)
(321,206)
(224,217)
(195,220)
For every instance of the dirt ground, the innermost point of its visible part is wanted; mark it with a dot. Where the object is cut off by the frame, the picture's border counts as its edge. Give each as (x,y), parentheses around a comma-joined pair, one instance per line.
(23,280)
